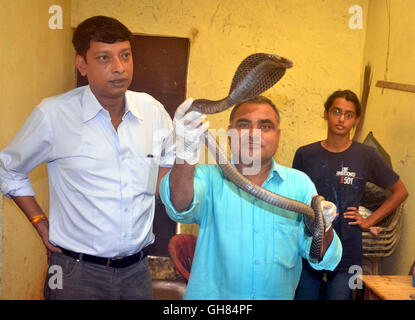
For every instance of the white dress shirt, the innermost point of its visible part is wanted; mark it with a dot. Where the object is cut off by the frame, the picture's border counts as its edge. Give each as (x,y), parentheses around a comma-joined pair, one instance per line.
(101,181)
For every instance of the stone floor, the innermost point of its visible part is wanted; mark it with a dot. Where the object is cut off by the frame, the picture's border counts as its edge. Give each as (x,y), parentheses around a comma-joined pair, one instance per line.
(168,284)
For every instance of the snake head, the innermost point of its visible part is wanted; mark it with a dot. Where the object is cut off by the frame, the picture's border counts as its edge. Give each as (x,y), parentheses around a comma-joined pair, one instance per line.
(283,62)
(256,74)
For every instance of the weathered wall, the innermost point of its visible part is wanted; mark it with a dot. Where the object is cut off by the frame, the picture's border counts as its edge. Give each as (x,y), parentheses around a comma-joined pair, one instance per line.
(36,62)
(390,113)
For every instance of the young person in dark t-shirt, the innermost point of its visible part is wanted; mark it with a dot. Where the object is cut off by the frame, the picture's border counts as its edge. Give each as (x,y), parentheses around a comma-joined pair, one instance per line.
(340,168)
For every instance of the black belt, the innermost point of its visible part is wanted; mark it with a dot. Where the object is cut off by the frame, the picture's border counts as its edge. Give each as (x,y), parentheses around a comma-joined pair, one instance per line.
(116,262)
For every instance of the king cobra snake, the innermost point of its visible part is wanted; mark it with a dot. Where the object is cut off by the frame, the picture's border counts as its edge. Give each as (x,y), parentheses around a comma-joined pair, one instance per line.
(256,74)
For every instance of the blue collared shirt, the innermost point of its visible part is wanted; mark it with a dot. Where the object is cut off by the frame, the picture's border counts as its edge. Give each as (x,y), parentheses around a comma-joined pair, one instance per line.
(101,181)
(246,248)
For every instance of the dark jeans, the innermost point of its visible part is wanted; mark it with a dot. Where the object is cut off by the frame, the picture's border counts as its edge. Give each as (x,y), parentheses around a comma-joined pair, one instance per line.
(69,279)
(312,286)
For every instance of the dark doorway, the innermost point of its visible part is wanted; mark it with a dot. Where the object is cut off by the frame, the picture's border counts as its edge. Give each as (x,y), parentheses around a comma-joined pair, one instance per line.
(160,69)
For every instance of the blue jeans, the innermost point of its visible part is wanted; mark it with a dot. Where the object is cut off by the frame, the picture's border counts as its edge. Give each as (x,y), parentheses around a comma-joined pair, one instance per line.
(312,286)
(69,279)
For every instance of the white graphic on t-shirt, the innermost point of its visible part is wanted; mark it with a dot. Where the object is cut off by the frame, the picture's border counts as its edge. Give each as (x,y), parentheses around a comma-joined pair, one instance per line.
(346,177)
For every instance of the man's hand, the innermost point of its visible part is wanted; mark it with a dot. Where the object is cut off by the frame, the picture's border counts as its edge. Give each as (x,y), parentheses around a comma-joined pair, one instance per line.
(327,239)
(42,228)
(189,129)
(31,208)
(329,213)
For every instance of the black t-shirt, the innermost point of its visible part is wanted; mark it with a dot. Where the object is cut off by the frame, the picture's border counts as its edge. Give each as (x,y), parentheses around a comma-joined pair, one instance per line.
(341,178)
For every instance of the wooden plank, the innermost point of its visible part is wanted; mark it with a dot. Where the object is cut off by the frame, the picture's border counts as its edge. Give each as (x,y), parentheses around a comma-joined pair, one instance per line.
(395,86)
(365,95)
(390,287)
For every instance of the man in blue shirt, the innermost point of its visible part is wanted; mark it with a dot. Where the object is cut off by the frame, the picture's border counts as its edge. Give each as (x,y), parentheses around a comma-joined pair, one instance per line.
(246,248)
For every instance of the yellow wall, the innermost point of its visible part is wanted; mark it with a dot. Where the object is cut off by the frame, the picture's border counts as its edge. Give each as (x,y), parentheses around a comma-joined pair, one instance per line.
(36,62)
(390,114)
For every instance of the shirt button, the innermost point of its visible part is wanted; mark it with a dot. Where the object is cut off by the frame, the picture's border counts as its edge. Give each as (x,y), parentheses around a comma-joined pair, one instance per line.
(256,261)
(126,210)
(256,230)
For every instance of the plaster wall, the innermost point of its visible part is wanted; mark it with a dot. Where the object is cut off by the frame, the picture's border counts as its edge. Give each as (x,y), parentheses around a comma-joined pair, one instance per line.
(390,113)
(37,62)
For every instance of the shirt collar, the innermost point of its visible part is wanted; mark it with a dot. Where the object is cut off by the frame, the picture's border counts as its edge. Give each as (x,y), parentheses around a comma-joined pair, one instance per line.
(277,171)
(91,106)
(132,107)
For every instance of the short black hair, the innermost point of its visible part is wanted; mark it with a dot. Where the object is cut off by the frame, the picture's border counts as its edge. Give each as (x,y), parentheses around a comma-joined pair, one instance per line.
(348,95)
(256,100)
(100,29)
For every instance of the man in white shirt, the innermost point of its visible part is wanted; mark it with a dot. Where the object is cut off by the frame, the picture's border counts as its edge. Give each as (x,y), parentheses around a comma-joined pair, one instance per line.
(106,149)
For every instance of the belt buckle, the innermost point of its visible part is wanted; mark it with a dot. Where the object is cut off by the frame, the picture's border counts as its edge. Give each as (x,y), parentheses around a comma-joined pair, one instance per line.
(109,260)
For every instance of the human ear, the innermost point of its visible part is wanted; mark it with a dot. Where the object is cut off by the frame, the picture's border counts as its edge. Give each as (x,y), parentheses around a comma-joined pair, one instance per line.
(278,137)
(80,65)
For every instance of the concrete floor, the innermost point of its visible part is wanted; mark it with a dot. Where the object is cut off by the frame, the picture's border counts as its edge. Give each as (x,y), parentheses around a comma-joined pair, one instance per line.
(169,289)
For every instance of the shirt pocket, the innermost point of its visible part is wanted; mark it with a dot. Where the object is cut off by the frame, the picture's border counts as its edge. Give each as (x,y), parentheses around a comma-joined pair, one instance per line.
(145,170)
(285,244)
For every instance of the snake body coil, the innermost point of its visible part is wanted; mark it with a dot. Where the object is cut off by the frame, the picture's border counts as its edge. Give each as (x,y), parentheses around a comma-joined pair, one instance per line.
(256,74)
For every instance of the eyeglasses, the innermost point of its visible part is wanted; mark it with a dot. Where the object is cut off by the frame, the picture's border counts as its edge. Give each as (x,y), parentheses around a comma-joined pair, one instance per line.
(349,115)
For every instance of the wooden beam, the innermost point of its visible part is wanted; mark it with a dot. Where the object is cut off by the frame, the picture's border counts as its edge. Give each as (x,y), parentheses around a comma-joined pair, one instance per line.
(365,95)
(395,86)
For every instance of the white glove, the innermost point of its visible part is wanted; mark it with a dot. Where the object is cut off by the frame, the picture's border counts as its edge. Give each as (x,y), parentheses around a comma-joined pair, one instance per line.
(329,213)
(189,129)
